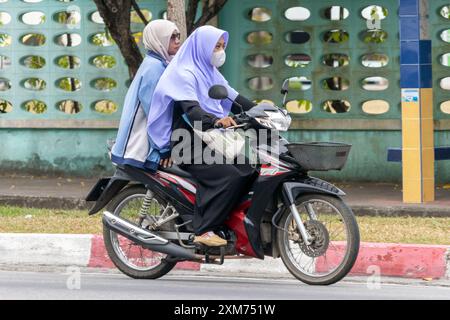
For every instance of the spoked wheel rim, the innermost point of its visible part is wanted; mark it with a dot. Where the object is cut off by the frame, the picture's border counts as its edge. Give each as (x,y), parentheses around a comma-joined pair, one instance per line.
(131,254)
(330,248)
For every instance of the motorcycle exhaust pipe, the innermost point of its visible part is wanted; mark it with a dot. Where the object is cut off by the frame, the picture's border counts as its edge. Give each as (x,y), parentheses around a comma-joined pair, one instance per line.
(145,238)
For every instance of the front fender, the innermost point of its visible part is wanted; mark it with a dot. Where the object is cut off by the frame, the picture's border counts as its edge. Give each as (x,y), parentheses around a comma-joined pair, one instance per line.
(291,189)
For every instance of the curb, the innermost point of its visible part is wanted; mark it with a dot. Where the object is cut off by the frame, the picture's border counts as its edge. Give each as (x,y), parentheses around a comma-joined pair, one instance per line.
(45,202)
(399,211)
(382,259)
(99,257)
(67,203)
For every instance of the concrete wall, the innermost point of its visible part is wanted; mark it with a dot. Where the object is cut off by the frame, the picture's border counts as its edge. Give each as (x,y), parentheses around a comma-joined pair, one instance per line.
(55,151)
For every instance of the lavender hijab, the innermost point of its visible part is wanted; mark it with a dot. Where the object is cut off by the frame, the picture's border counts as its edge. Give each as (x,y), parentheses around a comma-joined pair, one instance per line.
(188,77)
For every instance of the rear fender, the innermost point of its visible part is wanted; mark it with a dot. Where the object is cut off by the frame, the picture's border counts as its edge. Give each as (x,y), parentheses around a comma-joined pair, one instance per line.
(105,189)
(98,189)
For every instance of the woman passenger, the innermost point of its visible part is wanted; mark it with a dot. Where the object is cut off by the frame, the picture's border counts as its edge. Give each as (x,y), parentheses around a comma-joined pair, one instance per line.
(161,39)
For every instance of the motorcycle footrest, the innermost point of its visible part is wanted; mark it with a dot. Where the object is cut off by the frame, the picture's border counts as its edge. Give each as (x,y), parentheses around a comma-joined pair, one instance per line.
(212,257)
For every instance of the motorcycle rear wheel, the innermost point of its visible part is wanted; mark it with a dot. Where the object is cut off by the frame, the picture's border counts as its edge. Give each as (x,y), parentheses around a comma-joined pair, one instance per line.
(332,254)
(127,205)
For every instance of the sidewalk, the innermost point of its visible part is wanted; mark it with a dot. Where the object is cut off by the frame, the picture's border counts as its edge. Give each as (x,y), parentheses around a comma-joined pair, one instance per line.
(69,193)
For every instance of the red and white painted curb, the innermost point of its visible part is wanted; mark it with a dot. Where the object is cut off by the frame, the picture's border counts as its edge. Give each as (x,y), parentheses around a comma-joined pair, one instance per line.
(388,259)
(99,257)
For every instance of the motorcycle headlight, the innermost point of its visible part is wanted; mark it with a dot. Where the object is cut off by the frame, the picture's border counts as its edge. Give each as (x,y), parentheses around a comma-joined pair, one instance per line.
(280,121)
(265,122)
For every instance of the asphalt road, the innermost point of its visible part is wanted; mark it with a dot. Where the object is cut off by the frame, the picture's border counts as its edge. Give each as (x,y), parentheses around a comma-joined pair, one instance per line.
(86,286)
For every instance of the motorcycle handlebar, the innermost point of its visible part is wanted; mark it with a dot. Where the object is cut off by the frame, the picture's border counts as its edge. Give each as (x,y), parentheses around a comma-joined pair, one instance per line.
(239,119)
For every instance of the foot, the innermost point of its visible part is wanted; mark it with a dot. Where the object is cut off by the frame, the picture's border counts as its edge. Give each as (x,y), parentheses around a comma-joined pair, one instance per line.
(210,239)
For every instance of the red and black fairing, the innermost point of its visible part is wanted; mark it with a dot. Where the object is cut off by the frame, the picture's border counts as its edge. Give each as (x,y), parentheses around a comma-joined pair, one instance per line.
(184,188)
(236,223)
(247,225)
(179,192)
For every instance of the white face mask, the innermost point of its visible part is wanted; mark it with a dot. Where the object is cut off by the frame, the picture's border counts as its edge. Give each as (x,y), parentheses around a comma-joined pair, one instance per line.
(218,58)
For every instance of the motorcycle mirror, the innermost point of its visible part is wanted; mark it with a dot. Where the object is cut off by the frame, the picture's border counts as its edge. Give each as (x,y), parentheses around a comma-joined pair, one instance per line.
(285,87)
(218,92)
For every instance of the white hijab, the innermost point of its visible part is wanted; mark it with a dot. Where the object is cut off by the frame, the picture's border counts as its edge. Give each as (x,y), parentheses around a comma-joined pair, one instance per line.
(156,37)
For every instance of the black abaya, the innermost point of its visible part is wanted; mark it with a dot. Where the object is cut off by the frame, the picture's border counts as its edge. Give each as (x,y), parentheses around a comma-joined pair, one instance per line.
(220,186)
(219,189)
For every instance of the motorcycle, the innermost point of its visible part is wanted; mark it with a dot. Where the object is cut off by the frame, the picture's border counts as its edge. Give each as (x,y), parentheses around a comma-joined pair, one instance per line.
(147,225)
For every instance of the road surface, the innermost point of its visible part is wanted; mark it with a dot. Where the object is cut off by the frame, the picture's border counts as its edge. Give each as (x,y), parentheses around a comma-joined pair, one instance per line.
(80,284)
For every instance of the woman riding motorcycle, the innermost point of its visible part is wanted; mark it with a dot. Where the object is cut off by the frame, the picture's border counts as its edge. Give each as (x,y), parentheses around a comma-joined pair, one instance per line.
(180,99)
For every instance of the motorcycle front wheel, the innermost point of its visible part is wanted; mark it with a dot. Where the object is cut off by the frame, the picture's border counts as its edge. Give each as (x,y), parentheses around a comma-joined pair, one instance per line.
(335,240)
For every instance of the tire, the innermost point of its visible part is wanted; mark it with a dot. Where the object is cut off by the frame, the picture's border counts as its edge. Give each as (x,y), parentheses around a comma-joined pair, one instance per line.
(156,272)
(353,240)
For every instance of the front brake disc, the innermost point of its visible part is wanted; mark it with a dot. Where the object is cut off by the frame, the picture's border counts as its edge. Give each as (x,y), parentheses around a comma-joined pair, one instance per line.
(320,239)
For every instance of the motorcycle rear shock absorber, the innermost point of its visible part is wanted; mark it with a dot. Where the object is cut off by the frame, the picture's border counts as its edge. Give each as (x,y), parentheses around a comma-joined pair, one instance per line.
(145,206)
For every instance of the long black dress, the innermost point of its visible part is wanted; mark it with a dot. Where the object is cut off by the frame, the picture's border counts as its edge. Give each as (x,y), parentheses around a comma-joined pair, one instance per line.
(219,186)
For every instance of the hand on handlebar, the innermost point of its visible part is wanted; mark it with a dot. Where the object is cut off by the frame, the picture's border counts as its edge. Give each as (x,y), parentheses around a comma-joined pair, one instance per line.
(225,123)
